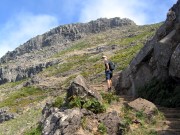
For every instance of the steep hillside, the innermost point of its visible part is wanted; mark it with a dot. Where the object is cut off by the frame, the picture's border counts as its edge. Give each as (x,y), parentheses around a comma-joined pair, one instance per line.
(43,71)
(155,72)
(32,57)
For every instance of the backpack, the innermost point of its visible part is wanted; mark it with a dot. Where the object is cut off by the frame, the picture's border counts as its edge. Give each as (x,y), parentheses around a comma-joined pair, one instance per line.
(111,65)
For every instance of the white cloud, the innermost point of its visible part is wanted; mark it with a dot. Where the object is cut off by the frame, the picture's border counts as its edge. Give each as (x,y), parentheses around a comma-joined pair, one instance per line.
(140,11)
(23,27)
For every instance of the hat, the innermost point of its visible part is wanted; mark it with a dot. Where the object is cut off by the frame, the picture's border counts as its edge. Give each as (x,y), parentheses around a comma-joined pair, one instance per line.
(104,56)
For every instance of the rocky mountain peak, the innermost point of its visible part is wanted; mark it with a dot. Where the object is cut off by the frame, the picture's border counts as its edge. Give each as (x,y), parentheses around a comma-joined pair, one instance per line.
(60,36)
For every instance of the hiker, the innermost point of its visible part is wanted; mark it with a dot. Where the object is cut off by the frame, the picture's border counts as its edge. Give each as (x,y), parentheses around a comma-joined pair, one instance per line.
(108,71)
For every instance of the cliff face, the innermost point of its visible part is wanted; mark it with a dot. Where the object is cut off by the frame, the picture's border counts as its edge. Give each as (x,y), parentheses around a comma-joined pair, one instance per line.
(159,58)
(36,54)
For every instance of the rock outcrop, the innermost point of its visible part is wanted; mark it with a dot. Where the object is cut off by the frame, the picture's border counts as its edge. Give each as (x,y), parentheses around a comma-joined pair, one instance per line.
(79,87)
(57,122)
(19,72)
(143,105)
(66,121)
(159,58)
(112,122)
(4,115)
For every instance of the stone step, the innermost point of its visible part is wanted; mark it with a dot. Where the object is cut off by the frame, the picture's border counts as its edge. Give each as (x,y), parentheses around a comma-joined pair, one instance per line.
(169,110)
(169,132)
(173,119)
(173,124)
(172,115)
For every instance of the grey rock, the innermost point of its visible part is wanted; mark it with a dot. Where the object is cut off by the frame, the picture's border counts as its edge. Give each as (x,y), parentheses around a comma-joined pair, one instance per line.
(20,72)
(143,105)
(4,115)
(174,69)
(112,122)
(57,122)
(159,58)
(79,87)
(142,77)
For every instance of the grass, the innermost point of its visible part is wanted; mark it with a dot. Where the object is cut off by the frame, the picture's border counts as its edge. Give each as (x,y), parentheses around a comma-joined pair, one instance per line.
(146,125)
(77,46)
(11,84)
(109,97)
(22,98)
(21,123)
(122,58)
(90,65)
(59,101)
(84,122)
(102,129)
(34,131)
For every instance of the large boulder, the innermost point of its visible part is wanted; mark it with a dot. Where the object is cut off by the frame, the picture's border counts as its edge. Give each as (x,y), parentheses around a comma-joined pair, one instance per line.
(60,122)
(79,87)
(112,122)
(174,69)
(143,105)
(158,59)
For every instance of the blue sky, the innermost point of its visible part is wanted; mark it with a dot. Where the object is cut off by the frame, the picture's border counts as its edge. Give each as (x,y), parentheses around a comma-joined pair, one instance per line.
(24,19)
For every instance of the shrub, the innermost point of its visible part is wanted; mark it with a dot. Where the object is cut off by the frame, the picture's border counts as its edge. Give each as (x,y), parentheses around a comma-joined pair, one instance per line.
(91,104)
(102,129)
(94,106)
(34,131)
(109,97)
(58,102)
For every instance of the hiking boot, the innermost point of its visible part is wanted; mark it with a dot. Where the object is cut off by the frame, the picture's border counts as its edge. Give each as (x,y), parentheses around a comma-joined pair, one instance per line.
(109,89)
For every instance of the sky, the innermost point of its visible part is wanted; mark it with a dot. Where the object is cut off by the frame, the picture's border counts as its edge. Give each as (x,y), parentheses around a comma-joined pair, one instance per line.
(21,20)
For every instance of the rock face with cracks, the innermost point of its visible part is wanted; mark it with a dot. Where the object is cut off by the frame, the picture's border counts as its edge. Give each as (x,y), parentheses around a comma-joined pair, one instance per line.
(159,58)
(79,87)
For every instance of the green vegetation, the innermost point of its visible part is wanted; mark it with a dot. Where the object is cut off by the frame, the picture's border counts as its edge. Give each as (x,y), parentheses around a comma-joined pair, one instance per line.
(161,92)
(109,97)
(90,104)
(59,101)
(21,123)
(90,65)
(11,84)
(84,122)
(34,131)
(102,129)
(77,46)
(141,123)
(22,98)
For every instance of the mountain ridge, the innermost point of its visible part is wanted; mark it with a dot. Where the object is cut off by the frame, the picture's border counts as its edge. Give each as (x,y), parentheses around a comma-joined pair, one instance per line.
(63,34)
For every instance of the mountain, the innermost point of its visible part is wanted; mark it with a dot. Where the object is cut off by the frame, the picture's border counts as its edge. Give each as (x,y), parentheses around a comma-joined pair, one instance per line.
(41,69)
(33,56)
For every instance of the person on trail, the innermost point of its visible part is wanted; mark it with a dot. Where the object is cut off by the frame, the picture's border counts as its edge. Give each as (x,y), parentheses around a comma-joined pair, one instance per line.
(108,72)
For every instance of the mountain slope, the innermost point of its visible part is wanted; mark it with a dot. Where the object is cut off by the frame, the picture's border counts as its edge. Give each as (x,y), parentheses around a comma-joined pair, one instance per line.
(32,57)
(50,76)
